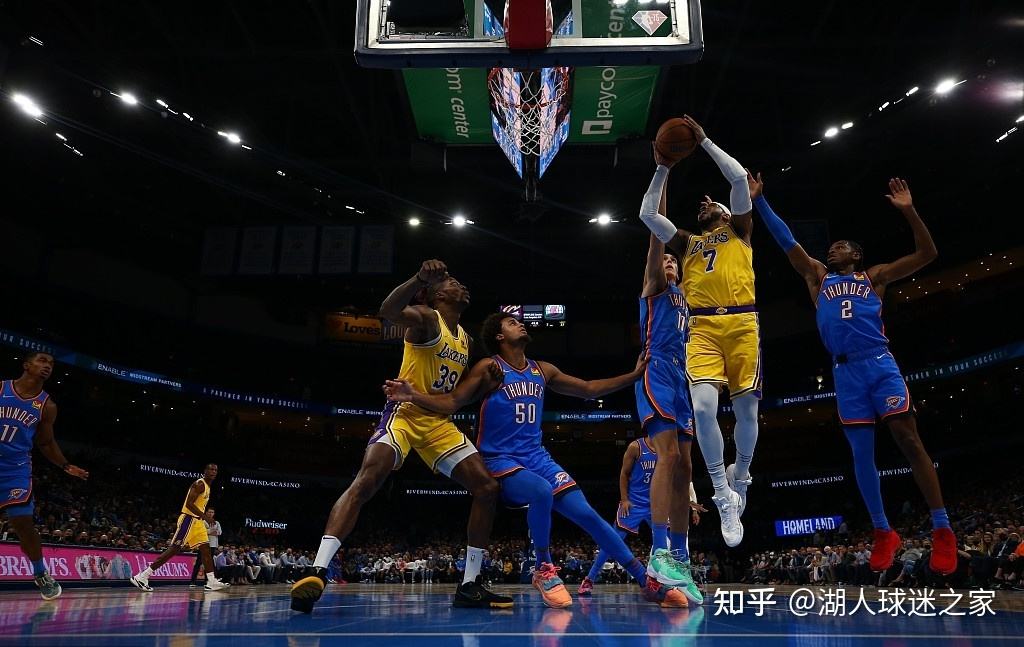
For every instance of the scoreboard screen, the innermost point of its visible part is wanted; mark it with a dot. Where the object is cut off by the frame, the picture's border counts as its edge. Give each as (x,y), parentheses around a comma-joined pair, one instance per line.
(538,316)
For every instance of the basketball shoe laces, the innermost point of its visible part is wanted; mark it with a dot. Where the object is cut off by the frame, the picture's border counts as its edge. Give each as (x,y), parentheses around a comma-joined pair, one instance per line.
(548,574)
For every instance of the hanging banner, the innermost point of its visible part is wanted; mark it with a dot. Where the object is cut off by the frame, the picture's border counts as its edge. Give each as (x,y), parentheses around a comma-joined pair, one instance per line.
(376,249)
(336,245)
(257,255)
(297,244)
(219,245)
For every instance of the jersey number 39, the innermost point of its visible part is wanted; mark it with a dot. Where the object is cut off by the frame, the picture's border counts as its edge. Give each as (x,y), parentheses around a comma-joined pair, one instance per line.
(446,380)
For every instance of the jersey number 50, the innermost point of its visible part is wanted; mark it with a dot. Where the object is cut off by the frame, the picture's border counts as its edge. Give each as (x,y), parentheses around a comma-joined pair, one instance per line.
(446,381)
(526,413)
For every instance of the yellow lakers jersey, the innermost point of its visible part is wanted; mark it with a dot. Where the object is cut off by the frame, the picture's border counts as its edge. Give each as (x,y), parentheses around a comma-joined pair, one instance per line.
(201,500)
(434,367)
(718,270)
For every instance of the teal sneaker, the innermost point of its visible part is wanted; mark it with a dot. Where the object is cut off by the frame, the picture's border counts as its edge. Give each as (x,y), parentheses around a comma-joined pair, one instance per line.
(687,586)
(664,568)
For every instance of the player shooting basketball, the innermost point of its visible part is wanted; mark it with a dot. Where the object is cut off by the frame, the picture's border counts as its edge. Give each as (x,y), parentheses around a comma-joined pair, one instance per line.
(724,348)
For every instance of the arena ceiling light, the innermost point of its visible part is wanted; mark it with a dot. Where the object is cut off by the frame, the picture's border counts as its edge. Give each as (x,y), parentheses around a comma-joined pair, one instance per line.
(162,103)
(1019,119)
(414,222)
(604,220)
(231,137)
(831,132)
(847,125)
(126,97)
(946,86)
(459,221)
(912,90)
(27,105)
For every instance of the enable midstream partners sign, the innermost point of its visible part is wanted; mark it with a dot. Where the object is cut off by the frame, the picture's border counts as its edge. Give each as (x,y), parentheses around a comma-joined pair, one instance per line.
(806,526)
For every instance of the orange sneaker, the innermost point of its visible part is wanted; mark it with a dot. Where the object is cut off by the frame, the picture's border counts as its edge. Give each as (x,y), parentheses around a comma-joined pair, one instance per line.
(943,559)
(667,597)
(552,590)
(883,549)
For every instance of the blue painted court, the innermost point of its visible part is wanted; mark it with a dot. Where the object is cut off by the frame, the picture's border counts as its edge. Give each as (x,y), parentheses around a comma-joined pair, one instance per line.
(357,614)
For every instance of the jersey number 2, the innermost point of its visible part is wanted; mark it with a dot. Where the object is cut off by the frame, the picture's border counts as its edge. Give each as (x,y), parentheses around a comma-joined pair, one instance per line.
(847,311)
(526,413)
(446,381)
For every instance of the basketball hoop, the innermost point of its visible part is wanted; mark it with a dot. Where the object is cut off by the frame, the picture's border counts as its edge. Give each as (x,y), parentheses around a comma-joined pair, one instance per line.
(526,103)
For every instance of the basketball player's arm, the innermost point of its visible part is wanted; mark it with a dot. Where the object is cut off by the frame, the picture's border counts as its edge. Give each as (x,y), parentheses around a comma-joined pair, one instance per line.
(810,269)
(654,204)
(190,501)
(654,272)
(739,193)
(479,381)
(420,319)
(47,445)
(924,247)
(628,460)
(565,384)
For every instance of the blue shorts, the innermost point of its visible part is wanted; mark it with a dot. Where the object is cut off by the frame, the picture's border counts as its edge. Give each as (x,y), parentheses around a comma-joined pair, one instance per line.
(16,494)
(869,388)
(663,398)
(638,514)
(540,463)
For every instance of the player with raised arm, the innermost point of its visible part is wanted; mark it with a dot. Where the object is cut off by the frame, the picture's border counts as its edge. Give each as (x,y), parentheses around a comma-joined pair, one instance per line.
(434,358)
(510,438)
(868,381)
(723,347)
(27,414)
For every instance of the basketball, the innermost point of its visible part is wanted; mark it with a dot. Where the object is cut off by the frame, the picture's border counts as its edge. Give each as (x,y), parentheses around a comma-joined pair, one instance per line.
(675,140)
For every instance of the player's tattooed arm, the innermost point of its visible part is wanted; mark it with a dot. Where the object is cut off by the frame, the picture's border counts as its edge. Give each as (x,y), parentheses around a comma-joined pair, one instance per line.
(47,445)
(420,319)
(924,247)
(566,384)
(483,378)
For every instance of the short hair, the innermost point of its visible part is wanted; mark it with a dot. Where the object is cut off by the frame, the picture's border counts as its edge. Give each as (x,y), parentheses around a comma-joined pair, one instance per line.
(856,247)
(208,466)
(490,329)
(29,356)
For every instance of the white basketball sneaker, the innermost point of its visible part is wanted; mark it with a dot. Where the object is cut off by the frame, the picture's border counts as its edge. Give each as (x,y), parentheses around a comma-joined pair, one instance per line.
(738,486)
(728,510)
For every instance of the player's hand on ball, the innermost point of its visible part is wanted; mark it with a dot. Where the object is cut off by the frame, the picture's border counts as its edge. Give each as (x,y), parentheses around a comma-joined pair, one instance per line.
(624,508)
(756,185)
(660,159)
(77,472)
(432,271)
(899,194)
(698,132)
(398,390)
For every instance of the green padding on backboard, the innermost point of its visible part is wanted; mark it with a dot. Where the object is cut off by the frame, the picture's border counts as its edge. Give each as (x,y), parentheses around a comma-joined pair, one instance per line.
(609,103)
(450,105)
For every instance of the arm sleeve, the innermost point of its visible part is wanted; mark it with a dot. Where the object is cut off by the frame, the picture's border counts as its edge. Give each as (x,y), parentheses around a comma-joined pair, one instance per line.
(659,225)
(776,227)
(739,195)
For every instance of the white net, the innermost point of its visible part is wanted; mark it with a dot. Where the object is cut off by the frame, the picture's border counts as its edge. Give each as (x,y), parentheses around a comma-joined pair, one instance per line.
(527,104)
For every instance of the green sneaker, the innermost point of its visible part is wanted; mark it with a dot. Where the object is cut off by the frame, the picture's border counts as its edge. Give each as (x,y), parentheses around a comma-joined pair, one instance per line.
(664,568)
(687,586)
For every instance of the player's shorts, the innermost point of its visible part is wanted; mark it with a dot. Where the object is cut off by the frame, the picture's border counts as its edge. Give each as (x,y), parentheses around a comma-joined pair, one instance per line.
(870,386)
(662,398)
(190,532)
(540,463)
(725,349)
(440,444)
(638,514)
(16,494)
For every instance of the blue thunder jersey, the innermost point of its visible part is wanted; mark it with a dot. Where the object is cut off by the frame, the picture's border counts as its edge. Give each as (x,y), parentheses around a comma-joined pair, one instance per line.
(640,477)
(18,420)
(510,416)
(663,323)
(850,314)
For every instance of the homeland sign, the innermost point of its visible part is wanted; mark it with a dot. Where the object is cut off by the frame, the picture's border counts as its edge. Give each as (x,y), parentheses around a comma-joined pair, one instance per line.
(807,526)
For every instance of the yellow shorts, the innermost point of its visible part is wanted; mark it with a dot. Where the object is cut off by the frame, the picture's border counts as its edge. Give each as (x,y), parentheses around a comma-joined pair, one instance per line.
(440,444)
(726,350)
(190,533)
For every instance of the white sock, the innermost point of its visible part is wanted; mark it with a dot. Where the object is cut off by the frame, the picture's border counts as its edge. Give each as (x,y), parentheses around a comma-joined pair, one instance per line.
(210,577)
(474,556)
(709,434)
(329,545)
(146,573)
(745,408)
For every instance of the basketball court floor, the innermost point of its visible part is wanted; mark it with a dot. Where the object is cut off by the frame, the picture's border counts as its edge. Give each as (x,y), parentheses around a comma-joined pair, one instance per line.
(385,615)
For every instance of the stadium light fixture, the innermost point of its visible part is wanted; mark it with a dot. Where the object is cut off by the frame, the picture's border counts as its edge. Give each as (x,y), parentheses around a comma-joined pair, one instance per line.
(831,132)
(27,105)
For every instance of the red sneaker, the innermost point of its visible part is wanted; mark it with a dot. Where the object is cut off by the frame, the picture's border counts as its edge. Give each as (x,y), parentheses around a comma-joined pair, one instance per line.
(586,587)
(884,548)
(943,559)
(552,590)
(667,597)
